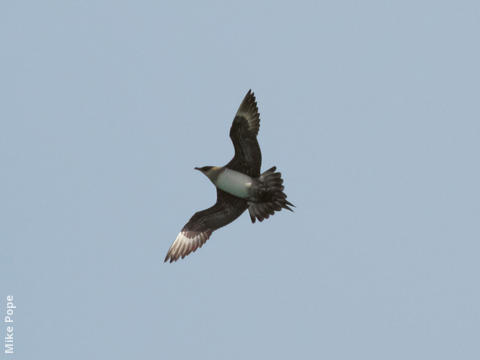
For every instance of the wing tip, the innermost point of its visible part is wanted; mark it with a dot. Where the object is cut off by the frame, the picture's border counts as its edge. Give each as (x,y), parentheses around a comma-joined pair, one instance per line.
(186,243)
(248,109)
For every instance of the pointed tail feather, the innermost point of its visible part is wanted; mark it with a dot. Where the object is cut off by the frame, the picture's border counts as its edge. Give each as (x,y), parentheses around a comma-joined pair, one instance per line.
(271,196)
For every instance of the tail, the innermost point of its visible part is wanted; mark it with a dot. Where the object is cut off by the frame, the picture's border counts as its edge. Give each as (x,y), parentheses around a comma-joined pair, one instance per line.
(270,197)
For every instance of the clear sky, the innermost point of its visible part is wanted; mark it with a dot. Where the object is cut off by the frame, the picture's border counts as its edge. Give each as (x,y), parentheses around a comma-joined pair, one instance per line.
(370,109)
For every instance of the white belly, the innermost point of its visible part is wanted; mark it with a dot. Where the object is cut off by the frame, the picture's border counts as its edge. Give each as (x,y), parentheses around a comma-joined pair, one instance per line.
(235,183)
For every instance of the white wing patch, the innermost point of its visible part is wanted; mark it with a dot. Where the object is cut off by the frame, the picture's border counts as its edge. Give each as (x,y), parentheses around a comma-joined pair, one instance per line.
(185,243)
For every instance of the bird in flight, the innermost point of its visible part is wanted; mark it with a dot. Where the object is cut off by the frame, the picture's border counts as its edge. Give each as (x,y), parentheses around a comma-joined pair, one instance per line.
(240,186)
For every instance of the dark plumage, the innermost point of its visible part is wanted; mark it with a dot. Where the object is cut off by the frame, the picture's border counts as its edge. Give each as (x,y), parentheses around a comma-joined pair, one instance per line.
(267,190)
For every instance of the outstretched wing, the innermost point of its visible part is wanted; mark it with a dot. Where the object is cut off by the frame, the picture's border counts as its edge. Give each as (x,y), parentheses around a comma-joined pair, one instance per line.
(244,130)
(201,225)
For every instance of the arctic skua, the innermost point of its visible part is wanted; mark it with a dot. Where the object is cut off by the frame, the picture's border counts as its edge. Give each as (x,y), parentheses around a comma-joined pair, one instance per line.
(240,186)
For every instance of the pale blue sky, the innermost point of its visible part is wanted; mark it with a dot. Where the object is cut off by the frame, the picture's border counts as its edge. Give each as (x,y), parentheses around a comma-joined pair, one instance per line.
(370,110)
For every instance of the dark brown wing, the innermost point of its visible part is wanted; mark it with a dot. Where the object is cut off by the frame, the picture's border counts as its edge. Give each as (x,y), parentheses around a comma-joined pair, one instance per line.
(244,130)
(201,225)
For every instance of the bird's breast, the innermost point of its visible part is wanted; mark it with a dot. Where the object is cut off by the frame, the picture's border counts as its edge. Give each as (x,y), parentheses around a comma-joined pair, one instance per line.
(234,183)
